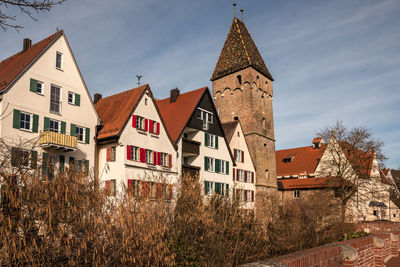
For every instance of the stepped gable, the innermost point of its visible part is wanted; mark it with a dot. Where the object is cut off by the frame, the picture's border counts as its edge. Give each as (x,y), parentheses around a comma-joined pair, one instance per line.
(114,111)
(239,52)
(303,160)
(177,114)
(13,66)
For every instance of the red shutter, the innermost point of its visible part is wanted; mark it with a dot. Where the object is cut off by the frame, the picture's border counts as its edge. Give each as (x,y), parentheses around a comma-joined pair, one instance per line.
(145,189)
(142,155)
(169,191)
(234,174)
(234,154)
(146,122)
(169,161)
(154,157)
(151,130)
(134,121)
(242,156)
(158,128)
(128,152)
(252,177)
(108,153)
(237,174)
(130,184)
(252,196)
(245,195)
(158,158)
(108,189)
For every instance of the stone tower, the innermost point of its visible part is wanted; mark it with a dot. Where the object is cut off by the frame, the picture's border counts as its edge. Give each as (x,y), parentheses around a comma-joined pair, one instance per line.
(242,89)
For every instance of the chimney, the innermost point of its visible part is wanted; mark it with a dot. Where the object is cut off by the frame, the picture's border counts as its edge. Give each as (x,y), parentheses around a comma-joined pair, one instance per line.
(97,98)
(174,95)
(317,142)
(27,44)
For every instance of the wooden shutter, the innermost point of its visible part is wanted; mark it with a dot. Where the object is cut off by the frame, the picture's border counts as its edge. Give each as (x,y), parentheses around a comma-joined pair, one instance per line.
(158,128)
(130,184)
(35,125)
(73,130)
(242,155)
(252,196)
(245,195)
(142,155)
(77,99)
(205,163)
(134,121)
(170,191)
(129,152)
(46,125)
(108,187)
(252,177)
(34,159)
(227,167)
(206,187)
(206,139)
(154,157)
(145,189)
(227,190)
(217,165)
(158,158)
(33,86)
(86,163)
(16,118)
(237,174)
(218,188)
(63,126)
(234,154)
(61,160)
(87,135)
(151,128)
(45,159)
(159,190)
(169,161)
(108,153)
(216,141)
(146,126)
(234,174)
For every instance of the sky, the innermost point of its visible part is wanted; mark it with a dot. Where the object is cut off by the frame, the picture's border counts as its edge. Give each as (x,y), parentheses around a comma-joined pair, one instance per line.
(331,60)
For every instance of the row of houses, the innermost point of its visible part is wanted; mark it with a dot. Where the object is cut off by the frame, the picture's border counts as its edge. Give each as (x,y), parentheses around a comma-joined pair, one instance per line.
(128,140)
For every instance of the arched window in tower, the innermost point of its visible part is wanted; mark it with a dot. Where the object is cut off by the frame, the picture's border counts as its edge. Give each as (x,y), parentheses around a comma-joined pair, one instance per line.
(267,174)
(239,79)
(264,124)
(236,118)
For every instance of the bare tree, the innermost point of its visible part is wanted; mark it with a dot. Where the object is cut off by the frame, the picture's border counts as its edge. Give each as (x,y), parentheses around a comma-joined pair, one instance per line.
(352,159)
(25,6)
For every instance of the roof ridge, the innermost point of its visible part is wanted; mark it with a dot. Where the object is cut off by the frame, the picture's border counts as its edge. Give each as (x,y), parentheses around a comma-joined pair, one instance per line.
(241,37)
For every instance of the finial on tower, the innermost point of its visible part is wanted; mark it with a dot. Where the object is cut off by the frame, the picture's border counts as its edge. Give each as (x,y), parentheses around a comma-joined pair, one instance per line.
(138,77)
(234,9)
(241,11)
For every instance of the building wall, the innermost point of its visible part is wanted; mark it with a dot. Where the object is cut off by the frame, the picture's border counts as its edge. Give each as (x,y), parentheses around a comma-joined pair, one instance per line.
(251,103)
(21,98)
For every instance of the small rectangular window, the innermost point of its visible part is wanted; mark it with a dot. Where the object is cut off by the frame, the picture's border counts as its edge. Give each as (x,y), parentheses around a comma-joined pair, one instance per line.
(164,159)
(240,175)
(140,123)
(59,61)
(19,157)
(296,194)
(54,126)
(71,98)
(113,153)
(79,133)
(211,164)
(39,87)
(149,156)
(55,99)
(25,121)
(134,153)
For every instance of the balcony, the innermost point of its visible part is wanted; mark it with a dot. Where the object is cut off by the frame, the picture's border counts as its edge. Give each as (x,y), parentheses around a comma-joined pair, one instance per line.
(57,141)
(191,171)
(190,147)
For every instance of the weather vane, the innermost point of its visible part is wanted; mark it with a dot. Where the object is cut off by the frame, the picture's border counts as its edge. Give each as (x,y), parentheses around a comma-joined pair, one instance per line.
(138,79)
(234,9)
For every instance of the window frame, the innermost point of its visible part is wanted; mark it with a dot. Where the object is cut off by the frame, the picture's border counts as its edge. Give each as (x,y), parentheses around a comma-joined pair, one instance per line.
(211,164)
(135,153)
(58,125)
(149,156)
(83,133)
(240,175)
(59,100)
(72,102)
(41,87)
(296,194)
(140,123)
(164,159)
(238,155)
(30,115)
(61,67)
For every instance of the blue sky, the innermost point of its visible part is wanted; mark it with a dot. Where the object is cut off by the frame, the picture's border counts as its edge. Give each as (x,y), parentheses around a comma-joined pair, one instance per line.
(331,60)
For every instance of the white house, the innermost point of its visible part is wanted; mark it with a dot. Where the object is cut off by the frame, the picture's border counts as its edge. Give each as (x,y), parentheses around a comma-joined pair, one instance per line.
(46,105)
(243,175)
(134,148)
(196,132)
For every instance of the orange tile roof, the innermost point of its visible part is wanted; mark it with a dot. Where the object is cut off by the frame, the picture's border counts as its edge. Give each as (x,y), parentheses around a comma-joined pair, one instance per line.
(11,67)
(323,182)
(114,111)
(305,160)
(177,114)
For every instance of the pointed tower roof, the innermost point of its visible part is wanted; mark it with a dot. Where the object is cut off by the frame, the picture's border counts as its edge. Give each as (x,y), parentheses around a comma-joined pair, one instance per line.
(239,52)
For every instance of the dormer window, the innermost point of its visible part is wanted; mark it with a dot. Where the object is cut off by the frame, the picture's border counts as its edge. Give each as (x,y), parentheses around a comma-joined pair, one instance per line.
(59,61)
(287,160)
(205,116)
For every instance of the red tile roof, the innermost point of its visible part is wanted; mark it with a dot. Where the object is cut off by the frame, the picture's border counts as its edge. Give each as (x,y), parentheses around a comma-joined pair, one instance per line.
(324,182)
(114,111)
(11,67)
(177,114)
(317,140)
(304,160)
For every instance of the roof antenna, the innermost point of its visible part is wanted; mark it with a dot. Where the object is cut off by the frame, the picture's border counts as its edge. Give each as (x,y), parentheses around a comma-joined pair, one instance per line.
(138,79)
(234,8)
(57,29)
(241,11)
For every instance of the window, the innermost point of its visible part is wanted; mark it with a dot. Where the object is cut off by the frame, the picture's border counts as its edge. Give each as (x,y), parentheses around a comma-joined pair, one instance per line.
(211,164)
(54,126)
(134,153)
(206,117)
(287,160)
(164,159)
(111,153)
(79,133)
(55,99)
(241,175)
(222,166)
(74,99)
(248,177)
(19,157)
(59,61)
(36,86)
(140,123)
(211,140)
(71,98)
(25,121)
(239,155)
(248,195)
(394,215)
(375,212)
(296,194)
(149,156)
(145,101)
(111,187)
(209,188)
(39,87)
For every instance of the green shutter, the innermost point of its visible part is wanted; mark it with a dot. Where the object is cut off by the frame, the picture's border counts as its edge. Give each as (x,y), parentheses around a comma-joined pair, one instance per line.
(16,118)
(86,167)
(227,190)
(63,127)
(217,165)
(33,159)
(206,139)
(62,162)
(227,167)
(218,188)
(77,99)
(33,86)
(216,141)
(46,124)
(206,187)
(87,135)
(35,125)
(205,163)
(14,157)
(72,133)
(45,159)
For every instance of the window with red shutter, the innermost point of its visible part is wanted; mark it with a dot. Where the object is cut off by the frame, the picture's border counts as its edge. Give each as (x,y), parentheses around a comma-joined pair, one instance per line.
(128,152)
(146,124)
(108,188)
(151,130)
(130,184)
(134,121)
(108,153)
(158,128)
(142,155)
(154,157)
(158,158)
(245,195)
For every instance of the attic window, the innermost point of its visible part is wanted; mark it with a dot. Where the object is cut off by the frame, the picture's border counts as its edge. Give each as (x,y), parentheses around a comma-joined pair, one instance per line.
(145,101)
(239,79)
(287,160)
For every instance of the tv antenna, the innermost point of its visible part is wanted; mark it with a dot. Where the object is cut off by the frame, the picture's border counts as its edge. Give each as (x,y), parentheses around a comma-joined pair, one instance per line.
(138,79)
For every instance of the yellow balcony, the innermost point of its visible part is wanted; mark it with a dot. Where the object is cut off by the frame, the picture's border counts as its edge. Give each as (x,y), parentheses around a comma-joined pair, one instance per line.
(53,140)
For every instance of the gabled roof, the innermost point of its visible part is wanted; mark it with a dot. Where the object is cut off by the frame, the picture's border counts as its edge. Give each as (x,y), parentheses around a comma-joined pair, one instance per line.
(239,52)
(306,183)
(13,66)
(383,173)
(114,111)
(303,160)
(229,129)
(177,114)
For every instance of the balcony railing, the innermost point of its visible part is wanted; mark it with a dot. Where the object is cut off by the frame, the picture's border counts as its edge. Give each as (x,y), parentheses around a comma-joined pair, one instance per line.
(190,147)
(54,140)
